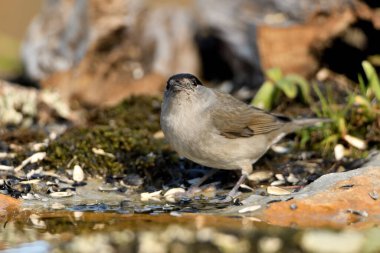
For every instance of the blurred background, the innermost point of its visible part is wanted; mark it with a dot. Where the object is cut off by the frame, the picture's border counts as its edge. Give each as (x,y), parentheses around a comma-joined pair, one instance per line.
(99,52)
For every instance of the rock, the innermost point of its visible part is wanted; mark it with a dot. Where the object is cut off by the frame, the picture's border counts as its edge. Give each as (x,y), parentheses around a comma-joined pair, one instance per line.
(328,202)
(8,204)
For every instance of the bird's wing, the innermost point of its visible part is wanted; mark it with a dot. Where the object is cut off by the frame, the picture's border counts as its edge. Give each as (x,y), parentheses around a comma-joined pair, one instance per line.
(235,119)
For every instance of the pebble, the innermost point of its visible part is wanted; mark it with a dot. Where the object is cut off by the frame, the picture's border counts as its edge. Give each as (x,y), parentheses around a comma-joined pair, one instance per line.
(250,209)
(78,174)
(293,206)
(61,194)
(277,191)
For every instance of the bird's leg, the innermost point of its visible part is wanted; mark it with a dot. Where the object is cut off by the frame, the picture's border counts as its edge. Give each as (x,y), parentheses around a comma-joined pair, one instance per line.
(245,171)
(203,179)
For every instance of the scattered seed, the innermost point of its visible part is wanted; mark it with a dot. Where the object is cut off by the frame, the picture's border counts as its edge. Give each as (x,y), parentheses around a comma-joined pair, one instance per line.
(61,194)
(158,135)
(292,179)
(260,176)
(277,183)
(280,177)
(32,159)
(356,142)
(99,151)
(151,196)
(78,174)
(250,209)
(107,188)
(358,212)
(174,194)
(6,168)
(7,155)
(273,190)
(33,181)
(339,152)
(374,195)
(28,196)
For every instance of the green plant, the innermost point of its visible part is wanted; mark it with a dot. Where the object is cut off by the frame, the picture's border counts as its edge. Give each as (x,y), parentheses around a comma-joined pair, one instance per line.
(350,121)
(290,85)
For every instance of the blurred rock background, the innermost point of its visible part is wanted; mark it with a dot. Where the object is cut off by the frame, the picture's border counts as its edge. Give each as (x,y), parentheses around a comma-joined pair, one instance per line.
(99,52)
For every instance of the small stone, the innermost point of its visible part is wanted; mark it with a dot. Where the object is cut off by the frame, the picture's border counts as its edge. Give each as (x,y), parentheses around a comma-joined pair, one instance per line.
(293,206)
(250,209)
(78,174)
(61,194)
(260,176)
(277,191)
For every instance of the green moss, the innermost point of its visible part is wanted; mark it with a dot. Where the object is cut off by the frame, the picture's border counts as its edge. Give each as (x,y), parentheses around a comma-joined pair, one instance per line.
(138,112)
(134,151)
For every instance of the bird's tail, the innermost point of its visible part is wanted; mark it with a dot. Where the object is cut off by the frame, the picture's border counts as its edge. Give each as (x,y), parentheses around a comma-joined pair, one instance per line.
(301,123)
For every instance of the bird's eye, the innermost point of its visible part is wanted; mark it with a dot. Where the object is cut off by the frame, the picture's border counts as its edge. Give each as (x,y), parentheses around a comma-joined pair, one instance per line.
(195,82)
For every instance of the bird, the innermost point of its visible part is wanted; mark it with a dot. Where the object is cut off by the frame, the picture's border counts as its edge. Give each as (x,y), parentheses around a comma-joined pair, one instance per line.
(216,130)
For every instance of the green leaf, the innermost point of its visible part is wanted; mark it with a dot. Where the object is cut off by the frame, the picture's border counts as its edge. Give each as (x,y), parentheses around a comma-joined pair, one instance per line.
(265,95)
(373,79)
(274,74)
(303,85)
(288,87)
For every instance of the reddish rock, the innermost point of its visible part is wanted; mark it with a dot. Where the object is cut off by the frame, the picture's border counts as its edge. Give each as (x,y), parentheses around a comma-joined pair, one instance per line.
(347,202)
(8,205)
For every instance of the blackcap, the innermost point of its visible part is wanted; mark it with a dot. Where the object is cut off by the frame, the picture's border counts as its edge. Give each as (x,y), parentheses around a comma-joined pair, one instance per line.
(216,130)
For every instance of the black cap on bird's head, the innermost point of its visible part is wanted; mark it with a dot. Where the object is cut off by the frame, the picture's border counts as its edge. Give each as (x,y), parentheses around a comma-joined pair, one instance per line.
(182,81)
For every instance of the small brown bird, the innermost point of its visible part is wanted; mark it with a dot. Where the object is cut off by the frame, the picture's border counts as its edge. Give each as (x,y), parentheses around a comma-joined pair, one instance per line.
(216,130)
